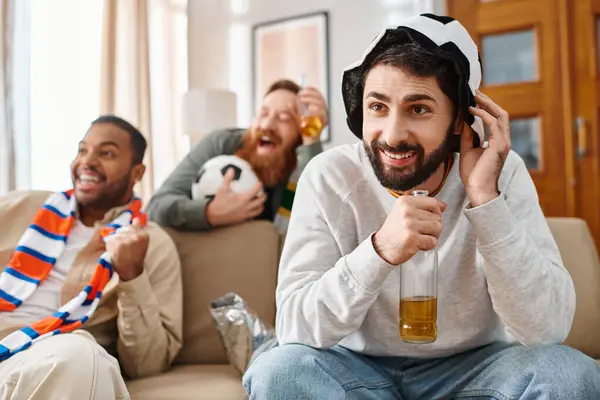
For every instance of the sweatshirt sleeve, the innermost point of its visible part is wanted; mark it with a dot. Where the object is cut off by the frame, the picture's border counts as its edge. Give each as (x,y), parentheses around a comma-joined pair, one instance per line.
(531,290)
(305,153)
(172,205)
(323,295)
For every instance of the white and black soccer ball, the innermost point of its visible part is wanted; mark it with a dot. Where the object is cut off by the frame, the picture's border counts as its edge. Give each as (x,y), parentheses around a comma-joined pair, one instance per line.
(210,176)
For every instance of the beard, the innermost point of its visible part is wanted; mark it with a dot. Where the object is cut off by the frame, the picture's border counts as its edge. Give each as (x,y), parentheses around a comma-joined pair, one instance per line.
(402,179)
(113,195)
(271,169)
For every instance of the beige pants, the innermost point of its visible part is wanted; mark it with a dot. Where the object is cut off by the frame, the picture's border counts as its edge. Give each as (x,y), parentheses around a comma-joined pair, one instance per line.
(64,367)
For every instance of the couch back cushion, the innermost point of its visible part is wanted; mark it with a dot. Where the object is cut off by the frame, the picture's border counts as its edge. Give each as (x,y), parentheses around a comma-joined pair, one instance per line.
(580,257)
(17,210)
(241,259)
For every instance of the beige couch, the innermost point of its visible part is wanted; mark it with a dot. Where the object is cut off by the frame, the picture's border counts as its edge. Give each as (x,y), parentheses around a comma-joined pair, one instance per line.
(244,259)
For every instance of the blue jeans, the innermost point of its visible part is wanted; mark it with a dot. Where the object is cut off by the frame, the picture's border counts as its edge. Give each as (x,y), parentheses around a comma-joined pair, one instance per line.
(498,371)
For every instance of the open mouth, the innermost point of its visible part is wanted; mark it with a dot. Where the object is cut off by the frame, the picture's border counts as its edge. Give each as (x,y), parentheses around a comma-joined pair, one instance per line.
(88,180)
(399,159)
(266,142)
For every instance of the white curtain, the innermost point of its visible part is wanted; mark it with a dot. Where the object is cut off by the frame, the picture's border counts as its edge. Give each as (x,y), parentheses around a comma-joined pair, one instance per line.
(7,148)
(144,75)
(14,95)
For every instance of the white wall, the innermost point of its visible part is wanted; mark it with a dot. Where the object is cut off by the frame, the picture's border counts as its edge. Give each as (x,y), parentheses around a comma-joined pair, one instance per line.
(220,33)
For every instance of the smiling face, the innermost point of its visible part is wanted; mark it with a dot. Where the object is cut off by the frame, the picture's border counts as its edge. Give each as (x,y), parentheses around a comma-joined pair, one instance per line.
(276,126)
(103,172)
(270,144)
(408,123)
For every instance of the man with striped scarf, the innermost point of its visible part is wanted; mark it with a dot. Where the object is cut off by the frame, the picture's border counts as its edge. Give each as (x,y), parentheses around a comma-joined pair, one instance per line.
(273,146)
(86,280)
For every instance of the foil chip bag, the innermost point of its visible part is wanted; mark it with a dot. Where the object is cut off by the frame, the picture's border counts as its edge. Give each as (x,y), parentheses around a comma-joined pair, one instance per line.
(243,334)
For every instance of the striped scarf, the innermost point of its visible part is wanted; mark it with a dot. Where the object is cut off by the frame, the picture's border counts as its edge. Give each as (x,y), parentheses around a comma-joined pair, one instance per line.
(39,248)
(282,219)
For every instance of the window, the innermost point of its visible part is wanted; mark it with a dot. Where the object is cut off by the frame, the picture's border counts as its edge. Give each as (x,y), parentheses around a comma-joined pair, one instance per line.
(65,80)
(509,57)
(66,52)
(168,83)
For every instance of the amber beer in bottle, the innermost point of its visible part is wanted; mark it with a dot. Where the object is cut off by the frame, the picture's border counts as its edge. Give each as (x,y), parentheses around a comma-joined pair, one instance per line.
(418,295)
(310,125)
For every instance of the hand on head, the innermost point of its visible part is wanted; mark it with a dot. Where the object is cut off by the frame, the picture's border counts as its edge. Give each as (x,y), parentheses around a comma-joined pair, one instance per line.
(480,168)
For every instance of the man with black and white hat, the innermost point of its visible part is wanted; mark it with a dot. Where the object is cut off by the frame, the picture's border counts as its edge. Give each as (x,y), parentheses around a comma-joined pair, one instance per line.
(505,300)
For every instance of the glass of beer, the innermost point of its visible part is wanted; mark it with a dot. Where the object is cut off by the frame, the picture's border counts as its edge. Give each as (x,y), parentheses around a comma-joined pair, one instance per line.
(418,296)
(310,125)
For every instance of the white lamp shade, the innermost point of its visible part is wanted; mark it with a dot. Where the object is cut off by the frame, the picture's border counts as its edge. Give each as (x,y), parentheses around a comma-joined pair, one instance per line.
(205,110)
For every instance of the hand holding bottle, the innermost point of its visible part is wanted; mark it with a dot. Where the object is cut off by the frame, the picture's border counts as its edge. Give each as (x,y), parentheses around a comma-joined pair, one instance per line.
(414,224)
(312,110)
(419,277)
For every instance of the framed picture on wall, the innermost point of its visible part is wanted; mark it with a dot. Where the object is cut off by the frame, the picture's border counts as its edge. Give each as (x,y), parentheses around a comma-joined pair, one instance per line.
(289,48)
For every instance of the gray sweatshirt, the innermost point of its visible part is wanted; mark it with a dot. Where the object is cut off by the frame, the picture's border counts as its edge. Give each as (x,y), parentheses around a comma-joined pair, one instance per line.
(172,205)
(500,273)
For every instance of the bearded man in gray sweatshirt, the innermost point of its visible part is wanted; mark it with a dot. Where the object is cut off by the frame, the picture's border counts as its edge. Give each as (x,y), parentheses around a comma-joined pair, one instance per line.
(505,301)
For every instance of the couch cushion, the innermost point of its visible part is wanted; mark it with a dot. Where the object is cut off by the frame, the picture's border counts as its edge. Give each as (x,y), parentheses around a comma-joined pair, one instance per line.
(241,259)
(215,382)
(17,210)
(581,259)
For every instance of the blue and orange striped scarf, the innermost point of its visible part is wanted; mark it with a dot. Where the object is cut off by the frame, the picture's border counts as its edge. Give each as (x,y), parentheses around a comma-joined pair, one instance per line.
(39,248)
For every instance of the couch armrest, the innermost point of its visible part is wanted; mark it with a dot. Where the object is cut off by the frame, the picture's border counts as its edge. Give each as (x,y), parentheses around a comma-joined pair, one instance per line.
(242,259)
(580,257)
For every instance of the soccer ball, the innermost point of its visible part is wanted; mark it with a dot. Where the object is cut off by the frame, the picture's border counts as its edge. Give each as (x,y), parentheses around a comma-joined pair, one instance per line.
(210,176)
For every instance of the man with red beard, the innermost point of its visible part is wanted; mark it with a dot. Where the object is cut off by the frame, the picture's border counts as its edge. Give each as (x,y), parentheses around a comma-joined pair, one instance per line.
(273,146)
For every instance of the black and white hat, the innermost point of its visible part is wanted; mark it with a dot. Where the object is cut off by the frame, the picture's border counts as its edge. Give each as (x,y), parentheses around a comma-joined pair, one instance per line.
(443,35)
